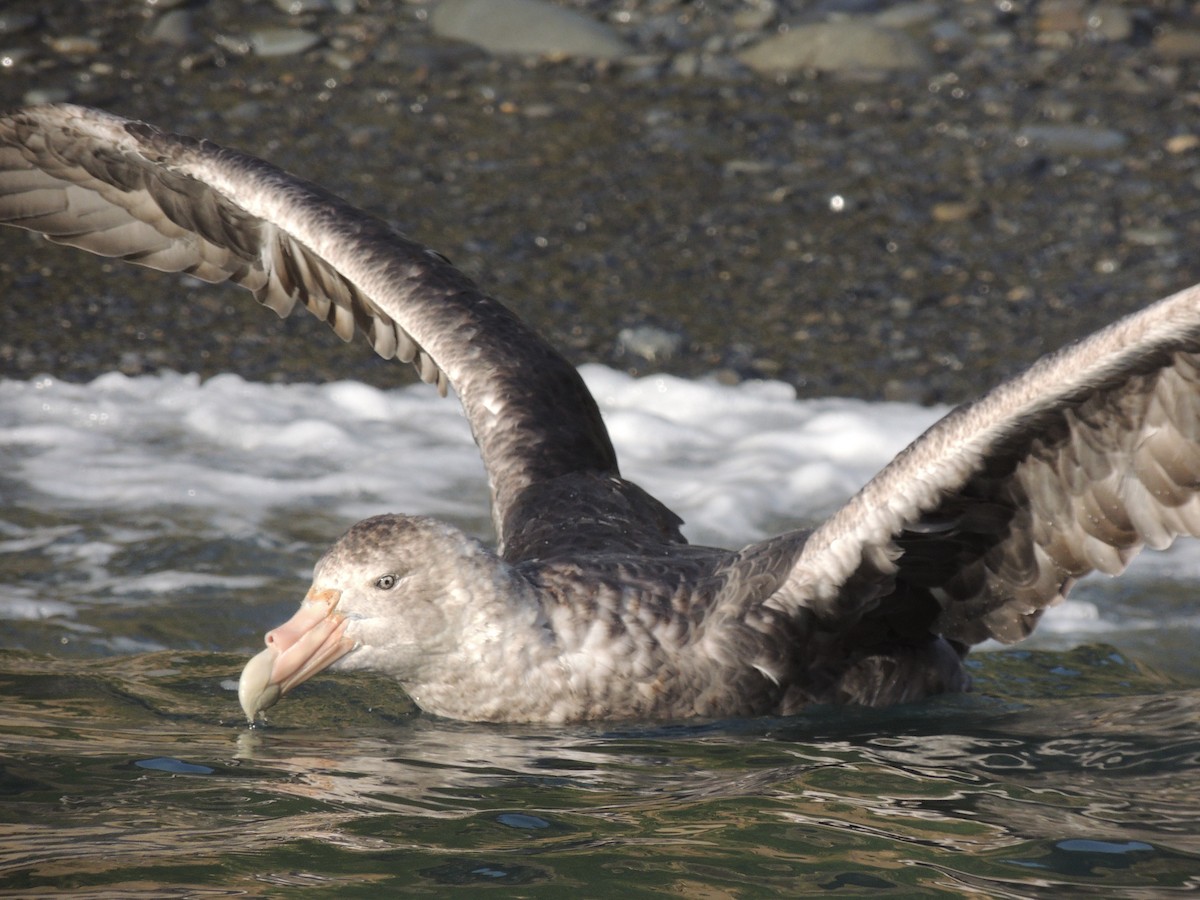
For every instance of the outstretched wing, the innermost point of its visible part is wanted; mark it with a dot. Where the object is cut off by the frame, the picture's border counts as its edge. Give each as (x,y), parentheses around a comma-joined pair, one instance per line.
(993,514)
(125,189)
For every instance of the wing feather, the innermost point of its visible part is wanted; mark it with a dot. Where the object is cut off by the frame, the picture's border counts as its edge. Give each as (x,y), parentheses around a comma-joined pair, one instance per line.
(124,189)
(994,513)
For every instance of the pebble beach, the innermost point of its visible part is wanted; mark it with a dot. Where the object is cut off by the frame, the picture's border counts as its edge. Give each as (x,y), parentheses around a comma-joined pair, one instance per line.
(900,201)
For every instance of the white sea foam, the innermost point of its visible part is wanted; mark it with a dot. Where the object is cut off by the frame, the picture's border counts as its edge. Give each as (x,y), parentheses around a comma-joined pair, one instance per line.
(227,458)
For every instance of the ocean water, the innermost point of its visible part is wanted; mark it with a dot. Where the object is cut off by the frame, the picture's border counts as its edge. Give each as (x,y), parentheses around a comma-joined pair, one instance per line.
(153,528)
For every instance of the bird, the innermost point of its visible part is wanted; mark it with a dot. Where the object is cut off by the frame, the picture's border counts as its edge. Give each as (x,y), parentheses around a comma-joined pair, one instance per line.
(590,605)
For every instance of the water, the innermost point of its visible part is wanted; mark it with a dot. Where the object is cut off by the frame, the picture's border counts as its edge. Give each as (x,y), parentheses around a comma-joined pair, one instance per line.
(153,528)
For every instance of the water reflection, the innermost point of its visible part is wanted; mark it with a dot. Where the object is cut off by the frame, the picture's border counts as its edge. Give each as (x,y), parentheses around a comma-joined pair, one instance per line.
(430,768)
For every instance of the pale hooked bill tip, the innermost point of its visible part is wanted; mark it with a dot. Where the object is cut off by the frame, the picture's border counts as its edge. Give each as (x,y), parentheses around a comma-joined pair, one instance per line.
(255,691)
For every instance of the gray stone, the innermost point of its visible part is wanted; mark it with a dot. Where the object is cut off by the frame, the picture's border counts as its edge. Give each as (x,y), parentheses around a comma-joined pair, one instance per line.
(840,46)
(906,15)
(174,28)
(1178,45)
(1111,22)
(529,27)
(282,41)
(302,7)
(1083,139)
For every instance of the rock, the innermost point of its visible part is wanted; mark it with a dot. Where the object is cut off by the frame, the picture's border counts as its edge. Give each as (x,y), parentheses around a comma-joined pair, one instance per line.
(302,7)
(282,41)
(906,15)
(529,27)
(1178,45)
(1151,236)
(955,210)
(1110,22)
(174,28)
(1061,16)
(74,45)
(1182,143)
(1084,139)
(756,16)
(842,46)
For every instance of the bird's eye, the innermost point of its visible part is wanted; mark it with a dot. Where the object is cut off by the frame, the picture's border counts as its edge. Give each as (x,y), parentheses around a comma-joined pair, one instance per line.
(386,582)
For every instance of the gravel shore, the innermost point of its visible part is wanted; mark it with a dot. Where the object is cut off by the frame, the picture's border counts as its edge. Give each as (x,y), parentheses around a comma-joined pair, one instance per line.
(747,189)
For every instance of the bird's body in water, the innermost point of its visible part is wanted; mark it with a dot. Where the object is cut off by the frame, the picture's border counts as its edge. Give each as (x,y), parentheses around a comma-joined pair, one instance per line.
(592,605)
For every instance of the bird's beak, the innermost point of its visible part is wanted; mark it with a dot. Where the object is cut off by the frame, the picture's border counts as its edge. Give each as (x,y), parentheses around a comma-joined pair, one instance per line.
(307,643)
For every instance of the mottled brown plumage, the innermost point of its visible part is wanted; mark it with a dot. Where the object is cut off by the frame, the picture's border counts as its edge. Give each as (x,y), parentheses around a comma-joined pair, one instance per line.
(593,605)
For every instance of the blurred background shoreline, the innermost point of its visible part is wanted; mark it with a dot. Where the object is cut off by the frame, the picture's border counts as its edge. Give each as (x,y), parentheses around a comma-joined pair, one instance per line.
(910,217)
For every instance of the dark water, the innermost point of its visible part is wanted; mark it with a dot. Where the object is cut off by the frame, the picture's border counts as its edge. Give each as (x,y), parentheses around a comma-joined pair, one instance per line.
(126,768)
(1066,773)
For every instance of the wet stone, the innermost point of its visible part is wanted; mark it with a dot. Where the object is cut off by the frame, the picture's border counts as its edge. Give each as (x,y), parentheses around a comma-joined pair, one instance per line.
(1183,44)
(1182,143)
(74,45)
(1065,16)
(756,16)
(175,28)
(905,15)
(1151,236)
(1083,139)
(282,41)
(840,46)
(1110,22)
(528,27)
(302,7)
(955,210)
